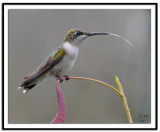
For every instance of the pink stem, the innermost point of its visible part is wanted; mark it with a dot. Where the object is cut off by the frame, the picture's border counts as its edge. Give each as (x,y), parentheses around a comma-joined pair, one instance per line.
(61,114)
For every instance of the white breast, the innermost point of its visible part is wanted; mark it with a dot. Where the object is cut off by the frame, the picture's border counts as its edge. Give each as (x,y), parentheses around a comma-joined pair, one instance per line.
(71,50)
(68,60)
(71,54)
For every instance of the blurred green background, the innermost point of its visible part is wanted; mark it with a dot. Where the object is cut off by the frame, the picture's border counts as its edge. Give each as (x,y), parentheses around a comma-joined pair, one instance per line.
(33,34)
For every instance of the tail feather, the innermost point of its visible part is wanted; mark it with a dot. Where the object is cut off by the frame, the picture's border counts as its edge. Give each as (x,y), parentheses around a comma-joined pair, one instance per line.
(28,82)
(27,88)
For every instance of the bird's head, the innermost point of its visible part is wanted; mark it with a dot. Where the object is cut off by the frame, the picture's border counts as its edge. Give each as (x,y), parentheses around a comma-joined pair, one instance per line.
(75,36)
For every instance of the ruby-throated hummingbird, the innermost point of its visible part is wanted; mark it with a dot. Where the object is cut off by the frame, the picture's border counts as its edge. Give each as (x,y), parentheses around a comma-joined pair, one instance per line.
(60,60)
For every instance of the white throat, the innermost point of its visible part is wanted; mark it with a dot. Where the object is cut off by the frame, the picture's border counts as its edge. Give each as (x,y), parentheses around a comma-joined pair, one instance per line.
(70,56)
(71,50)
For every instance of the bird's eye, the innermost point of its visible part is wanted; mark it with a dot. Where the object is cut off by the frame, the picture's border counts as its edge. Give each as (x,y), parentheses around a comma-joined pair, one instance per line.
(79,33)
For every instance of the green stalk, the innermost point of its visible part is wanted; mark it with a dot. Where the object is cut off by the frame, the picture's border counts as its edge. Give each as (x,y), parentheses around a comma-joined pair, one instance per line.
(124,99)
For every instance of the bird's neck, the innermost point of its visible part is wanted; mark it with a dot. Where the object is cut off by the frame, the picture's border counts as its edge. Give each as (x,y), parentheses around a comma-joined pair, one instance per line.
(70,48)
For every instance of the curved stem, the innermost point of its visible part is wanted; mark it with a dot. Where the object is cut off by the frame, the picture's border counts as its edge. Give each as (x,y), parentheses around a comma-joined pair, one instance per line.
(98,81)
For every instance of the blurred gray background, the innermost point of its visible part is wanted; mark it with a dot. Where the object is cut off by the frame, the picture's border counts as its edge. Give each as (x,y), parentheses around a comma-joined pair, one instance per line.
(33,34)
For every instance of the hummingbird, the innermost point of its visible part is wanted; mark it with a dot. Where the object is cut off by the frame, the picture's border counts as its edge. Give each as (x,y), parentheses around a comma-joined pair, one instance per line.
(61,60)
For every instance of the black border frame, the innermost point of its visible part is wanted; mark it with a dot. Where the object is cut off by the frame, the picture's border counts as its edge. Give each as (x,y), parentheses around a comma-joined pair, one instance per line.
(156,69)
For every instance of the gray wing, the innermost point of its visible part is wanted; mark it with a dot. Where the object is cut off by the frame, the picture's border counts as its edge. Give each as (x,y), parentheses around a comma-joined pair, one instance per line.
(50,62)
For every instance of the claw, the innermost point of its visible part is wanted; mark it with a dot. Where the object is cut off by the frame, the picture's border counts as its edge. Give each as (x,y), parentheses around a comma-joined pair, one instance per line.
(66,77)
(60,78)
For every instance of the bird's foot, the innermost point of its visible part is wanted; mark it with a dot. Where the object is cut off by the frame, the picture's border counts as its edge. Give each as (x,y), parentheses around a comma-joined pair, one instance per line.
(66,77)
(60,78)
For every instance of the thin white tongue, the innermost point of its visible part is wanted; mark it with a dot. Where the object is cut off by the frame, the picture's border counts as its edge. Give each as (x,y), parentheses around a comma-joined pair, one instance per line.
(121,38)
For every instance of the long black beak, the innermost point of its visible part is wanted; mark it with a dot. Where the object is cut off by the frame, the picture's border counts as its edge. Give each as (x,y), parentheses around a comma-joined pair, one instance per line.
(97,33)
(107,33)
